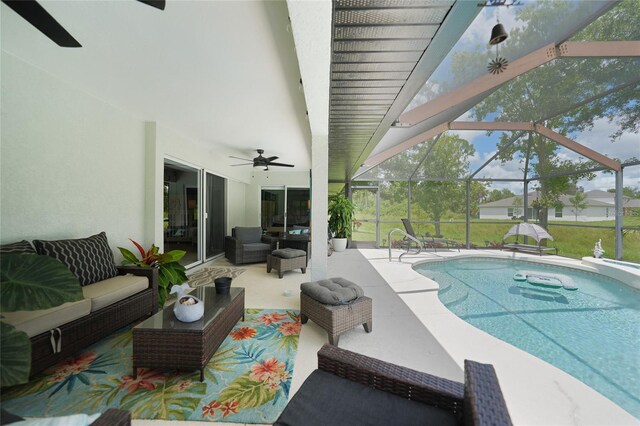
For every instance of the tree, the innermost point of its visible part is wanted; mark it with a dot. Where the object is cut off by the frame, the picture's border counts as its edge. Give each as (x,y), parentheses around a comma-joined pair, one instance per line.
(627,191)
(448,160)
(540,91)
(517,210)
(578,202)
(498,194)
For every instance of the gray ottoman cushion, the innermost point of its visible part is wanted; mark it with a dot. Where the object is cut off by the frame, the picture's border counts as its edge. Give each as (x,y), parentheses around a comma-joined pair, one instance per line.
(333,291)
(288,253)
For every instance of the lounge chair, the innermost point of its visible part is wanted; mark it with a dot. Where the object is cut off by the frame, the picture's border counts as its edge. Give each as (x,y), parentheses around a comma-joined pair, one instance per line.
(353,389)
(429,241)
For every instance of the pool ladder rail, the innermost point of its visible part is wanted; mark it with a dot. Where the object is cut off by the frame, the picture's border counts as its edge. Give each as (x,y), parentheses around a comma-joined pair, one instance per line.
(409,240)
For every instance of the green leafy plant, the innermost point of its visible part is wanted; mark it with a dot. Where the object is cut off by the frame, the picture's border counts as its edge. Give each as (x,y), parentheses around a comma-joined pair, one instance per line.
(340,212)
(29,282)
(170,272)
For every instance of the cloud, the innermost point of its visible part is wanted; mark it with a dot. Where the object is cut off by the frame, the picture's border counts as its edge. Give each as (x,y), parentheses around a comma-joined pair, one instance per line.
(598,139)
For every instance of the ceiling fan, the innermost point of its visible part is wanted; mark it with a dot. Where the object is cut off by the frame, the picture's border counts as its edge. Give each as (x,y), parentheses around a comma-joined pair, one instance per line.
(37,16)
(261,161)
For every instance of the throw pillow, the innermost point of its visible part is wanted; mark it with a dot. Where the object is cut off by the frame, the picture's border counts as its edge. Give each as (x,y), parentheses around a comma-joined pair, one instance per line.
(21,247)
(90,259)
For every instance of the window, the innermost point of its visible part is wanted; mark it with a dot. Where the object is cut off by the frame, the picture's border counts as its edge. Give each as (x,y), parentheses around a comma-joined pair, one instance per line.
(558,211)
(510,211)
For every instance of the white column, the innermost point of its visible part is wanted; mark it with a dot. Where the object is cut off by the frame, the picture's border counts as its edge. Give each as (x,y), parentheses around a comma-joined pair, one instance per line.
(154,180)
(319,204)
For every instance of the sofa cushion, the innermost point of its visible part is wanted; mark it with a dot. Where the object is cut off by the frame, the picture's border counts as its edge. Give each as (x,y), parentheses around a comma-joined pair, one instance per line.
(17,248)
(288,253)
(90,259)
(333,291)
(255,247)
(70,420)
(41,320)
(109,291)
(326,399)
(248,234)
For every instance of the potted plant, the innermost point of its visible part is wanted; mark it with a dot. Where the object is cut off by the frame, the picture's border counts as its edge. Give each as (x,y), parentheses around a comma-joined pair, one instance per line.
(170,271)
(340,220)
(29,282)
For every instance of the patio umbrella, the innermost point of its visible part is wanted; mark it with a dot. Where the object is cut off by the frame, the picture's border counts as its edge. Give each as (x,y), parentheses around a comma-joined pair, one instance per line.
(527,229)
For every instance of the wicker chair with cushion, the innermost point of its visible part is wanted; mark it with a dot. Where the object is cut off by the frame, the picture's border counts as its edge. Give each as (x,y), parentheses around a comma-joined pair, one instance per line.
(353,389)
(248,245)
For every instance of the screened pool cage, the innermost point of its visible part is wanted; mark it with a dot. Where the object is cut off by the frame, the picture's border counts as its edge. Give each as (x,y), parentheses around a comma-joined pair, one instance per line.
(555,142)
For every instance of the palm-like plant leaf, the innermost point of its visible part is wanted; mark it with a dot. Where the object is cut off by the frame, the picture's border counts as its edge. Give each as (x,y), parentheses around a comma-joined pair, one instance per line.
(16,348)
(30,282)
(246,392)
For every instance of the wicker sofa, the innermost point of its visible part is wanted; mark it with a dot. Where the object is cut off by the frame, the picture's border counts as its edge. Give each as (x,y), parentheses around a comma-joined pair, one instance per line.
(350,388)
(248,245)
(119,298)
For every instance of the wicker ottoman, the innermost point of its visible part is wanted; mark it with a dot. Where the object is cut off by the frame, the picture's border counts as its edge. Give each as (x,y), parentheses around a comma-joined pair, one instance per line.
(287,259)
(337,319)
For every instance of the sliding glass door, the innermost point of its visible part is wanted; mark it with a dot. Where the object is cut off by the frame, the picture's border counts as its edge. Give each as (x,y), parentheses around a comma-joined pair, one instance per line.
(215,217)
(181,210)
(194,212)
(282,208)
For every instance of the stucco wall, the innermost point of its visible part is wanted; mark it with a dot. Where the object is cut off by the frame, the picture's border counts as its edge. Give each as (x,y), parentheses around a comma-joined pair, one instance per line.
(72,165)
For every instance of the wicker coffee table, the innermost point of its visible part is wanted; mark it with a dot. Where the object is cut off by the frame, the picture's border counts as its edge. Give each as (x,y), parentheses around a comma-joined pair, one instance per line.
(163,341)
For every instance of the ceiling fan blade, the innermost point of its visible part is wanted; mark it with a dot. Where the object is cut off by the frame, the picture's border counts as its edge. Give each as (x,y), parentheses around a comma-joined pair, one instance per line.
(270,159)
(240,158)
(243,164)
(280,164)
(37,16)
(158,4)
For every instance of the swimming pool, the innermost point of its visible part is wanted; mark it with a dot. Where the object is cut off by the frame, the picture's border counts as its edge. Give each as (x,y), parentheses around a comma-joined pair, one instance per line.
(592,333)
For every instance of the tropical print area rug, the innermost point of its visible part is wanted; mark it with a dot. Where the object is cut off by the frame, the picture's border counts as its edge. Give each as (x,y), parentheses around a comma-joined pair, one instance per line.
(246,381)
(207,275)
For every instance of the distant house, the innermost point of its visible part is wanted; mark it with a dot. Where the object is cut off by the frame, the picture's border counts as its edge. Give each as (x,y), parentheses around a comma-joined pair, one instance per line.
(600,205)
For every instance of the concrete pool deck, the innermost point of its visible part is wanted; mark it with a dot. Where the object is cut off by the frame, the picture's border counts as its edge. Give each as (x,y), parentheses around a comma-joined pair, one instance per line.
(536,392)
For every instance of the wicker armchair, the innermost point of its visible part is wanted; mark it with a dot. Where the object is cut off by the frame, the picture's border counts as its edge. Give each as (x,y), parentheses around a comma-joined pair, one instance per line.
(351,389)
(248,245)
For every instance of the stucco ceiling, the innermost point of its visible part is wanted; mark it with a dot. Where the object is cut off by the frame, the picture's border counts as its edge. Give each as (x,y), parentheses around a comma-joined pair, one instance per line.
(224,73)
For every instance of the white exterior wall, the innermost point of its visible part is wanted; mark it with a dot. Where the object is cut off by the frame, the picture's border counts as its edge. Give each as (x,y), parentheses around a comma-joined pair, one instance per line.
(589,214)
(493,213)
(72,165)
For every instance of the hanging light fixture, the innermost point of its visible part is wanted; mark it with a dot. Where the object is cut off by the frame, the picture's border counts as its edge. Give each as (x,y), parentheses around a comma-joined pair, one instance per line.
(498,35)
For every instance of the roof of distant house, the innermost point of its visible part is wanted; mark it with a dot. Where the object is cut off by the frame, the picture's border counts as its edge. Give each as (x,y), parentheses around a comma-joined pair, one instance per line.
(565,199)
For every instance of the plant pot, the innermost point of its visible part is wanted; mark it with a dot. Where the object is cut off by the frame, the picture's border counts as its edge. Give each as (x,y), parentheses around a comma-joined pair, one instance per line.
(223,284)
(339,244)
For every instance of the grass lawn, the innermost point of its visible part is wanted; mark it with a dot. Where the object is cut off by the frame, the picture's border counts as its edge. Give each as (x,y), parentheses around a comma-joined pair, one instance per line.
(571,241)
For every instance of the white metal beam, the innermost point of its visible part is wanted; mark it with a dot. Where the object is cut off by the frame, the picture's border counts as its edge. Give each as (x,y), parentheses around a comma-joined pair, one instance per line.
(577,148)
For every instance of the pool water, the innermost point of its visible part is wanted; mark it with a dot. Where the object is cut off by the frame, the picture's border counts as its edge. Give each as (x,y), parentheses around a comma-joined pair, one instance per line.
(592,333)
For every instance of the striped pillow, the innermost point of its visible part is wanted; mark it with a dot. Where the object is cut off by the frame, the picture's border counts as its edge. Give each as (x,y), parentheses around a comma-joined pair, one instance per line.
(21,247)
(90,259)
